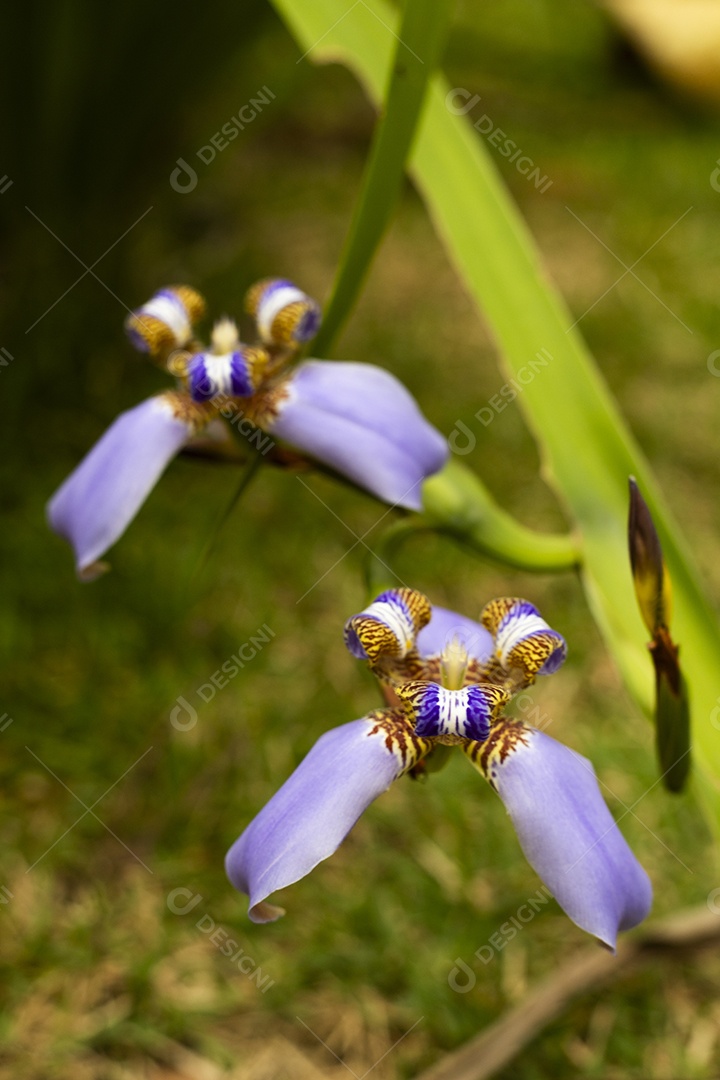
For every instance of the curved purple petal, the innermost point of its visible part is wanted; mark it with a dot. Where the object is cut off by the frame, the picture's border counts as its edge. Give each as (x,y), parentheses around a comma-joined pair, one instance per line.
(565,829)
(445,625)
(100,498)
(362,422)
(315,809)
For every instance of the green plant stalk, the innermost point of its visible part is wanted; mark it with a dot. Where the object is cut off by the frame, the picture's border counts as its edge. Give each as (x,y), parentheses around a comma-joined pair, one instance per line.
(589,456)
(378,562)
(457,503)
(420,42)
(250,470)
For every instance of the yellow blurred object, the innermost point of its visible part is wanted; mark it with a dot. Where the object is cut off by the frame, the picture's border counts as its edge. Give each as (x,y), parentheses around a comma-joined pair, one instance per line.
(679,38)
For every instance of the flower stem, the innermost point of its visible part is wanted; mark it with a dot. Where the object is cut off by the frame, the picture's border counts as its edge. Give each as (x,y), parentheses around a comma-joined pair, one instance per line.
(420,41)
(457,503)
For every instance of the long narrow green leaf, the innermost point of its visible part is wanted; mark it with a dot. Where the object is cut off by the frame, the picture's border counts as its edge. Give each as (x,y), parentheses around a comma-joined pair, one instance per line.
(587,451)
(418,49)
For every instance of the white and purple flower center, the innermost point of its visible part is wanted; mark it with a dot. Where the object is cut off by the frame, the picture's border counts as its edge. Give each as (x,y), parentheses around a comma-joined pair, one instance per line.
(210,376)
(464,714)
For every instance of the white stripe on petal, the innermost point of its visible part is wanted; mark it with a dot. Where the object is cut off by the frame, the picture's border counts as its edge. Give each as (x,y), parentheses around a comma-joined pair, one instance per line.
(396,619)
(219,371)
(515,629)
(452,708)
(170,312)
(270,308)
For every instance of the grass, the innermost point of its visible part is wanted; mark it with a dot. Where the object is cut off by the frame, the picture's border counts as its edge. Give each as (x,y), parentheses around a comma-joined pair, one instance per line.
(99,978)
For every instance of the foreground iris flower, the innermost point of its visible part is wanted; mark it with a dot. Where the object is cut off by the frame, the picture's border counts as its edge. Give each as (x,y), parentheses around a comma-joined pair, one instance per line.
(356,419)
(447,680)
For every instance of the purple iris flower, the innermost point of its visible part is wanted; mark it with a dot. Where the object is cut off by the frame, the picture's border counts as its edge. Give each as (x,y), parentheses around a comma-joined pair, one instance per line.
(356,419)
(451,678)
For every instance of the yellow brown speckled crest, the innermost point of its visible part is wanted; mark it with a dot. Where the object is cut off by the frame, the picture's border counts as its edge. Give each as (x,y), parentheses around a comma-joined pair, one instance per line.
(506,736)
(195,414)
(389,626)
(523,640)
(165,321)
(400,738)
(495,611)
(285,315)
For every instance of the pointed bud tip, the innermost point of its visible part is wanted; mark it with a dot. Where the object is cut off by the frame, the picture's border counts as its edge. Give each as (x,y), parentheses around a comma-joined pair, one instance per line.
(650,577)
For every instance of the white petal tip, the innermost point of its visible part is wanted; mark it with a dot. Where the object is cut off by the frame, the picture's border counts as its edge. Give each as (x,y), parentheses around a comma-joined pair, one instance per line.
(265,913)
(92,571)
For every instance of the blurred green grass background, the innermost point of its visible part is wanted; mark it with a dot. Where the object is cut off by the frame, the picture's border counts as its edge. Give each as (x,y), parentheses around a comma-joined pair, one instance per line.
(99,978)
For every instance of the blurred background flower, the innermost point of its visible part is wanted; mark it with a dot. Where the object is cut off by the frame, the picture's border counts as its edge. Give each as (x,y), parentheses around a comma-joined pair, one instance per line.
(357,420)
